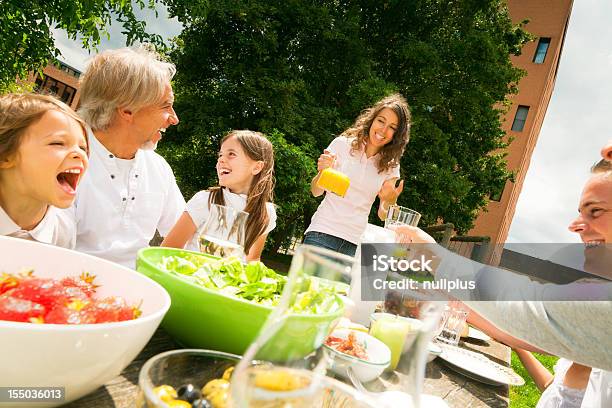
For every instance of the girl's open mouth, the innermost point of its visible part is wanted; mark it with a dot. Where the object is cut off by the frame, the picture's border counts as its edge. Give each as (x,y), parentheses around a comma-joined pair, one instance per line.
(68,180)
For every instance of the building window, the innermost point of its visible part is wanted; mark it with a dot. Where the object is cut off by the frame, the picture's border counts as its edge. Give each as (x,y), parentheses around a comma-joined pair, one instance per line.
(38,83)
(68,95)
(520,118)
(496,193)
(541,51)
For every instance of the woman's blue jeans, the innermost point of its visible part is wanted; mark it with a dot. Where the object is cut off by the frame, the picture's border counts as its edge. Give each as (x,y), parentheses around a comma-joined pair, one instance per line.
(323,240)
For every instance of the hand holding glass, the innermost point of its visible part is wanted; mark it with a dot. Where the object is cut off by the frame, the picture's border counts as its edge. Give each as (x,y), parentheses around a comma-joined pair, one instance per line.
(398,215)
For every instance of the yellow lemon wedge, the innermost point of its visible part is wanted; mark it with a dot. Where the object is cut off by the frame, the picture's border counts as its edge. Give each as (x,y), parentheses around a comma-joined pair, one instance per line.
(465,330)
(345,323)
(279,380)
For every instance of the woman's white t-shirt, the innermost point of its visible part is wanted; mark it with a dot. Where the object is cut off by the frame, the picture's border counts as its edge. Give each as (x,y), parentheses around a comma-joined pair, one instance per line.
(347,217)
(198,209)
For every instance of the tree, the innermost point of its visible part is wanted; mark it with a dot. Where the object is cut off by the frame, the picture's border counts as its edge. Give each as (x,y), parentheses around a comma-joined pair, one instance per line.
(26,30)
(294,168)
(17,87)
(306,69)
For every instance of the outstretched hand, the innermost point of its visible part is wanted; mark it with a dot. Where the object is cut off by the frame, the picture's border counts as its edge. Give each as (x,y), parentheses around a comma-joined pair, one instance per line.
(389,192)
(407,234)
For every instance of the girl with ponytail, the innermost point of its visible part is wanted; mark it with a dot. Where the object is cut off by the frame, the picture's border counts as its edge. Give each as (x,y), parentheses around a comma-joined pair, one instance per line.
(245,168)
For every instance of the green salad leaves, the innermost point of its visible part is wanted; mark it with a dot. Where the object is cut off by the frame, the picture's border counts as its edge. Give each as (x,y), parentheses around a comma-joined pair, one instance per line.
(254,282)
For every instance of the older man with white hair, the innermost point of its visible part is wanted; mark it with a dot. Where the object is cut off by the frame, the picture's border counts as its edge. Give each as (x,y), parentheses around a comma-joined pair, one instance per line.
(129,191)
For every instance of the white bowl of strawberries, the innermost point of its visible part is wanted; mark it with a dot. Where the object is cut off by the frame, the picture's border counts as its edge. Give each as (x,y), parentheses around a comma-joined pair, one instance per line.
(74,322)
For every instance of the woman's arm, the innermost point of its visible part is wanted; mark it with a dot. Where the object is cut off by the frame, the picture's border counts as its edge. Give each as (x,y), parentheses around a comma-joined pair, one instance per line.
(181,233)
(257,248)
(314,189)
(383,209)
(540,374)
(489,328)
(388,195)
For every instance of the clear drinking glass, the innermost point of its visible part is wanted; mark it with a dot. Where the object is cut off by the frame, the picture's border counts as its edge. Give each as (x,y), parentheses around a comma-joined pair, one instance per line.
(398,215)
(408,339)
(455,316)
(223,233)
(416,346)
(286,364)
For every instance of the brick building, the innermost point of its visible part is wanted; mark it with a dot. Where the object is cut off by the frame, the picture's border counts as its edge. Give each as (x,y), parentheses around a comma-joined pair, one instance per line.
(60,80)
(548,22)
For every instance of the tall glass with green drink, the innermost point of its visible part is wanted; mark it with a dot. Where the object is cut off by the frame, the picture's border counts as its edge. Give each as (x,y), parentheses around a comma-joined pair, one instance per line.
(392,330)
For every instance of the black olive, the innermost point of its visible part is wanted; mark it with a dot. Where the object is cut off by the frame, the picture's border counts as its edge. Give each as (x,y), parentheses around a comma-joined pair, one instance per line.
(201,403)
(188,393)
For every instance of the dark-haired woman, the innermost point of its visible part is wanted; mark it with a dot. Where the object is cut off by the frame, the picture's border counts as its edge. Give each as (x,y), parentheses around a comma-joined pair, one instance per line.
(369,154)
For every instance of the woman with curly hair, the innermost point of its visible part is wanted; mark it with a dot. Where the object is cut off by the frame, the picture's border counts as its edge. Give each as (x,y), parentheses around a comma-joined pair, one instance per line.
(369,154)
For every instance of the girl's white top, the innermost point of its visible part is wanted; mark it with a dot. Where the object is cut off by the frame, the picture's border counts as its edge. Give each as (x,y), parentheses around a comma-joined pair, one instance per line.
(52,229)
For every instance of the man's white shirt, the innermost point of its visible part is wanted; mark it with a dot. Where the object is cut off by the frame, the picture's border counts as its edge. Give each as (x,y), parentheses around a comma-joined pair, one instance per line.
(120,203)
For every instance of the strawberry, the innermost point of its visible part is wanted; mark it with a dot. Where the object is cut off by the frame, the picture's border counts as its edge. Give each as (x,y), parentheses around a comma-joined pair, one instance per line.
(72,313)
(44,291)
(9,281)
(85,282)
(66,301)
(47,292)
(20,310)
(37,290)
(112,309)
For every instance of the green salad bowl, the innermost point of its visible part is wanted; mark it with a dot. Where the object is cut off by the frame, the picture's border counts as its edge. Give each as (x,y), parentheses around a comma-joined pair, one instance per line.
(204,318)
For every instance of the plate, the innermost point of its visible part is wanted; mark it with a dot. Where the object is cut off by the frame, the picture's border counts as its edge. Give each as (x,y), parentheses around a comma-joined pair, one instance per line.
(477,334)
(434,351)
(477,367)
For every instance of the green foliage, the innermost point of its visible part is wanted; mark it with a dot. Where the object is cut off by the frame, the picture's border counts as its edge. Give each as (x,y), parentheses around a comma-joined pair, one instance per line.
(26,29)
(293,169)
(306,69)
(527,396)
(16,87)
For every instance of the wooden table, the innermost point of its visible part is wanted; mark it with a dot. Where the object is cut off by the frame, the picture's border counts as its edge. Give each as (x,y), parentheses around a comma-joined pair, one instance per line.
(455,389)
(462,392)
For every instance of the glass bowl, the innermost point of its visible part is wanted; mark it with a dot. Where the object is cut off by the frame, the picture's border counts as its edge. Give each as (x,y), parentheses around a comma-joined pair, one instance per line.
(180,367)
(195,366)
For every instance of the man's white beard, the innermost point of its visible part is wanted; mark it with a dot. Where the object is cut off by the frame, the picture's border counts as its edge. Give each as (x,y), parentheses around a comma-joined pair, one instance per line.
(149,145)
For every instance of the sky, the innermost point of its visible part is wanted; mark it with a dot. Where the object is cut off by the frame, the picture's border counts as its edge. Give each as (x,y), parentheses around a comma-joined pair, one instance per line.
(577,123)
(73,53)
(576,126)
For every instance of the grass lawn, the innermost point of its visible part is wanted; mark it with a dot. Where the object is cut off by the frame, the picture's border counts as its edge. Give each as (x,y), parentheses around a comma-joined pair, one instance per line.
(528,395)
